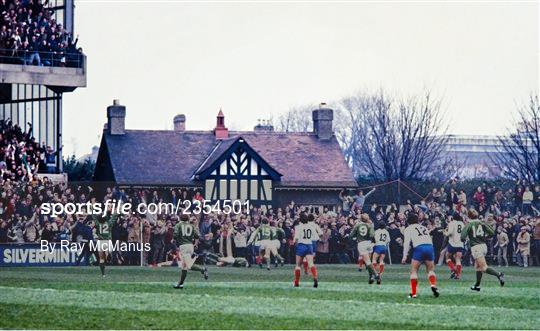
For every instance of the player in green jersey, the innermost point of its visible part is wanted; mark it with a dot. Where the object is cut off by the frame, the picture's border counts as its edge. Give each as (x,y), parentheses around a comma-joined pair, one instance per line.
(185,234)
(363,234)
(477,231)
(103,228)
(222,261)
(264,236)
(278,236)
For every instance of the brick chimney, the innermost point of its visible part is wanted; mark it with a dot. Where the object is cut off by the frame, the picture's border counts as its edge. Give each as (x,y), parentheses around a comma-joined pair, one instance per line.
(221,132)
(116,118)
(179,123)
(322,122)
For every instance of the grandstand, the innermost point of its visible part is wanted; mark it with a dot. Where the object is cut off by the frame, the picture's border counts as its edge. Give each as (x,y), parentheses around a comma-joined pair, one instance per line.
(39,62)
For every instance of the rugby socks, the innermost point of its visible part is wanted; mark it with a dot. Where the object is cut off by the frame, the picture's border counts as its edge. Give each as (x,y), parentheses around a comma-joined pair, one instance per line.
(492,271)
(432,279)
(183,275)
(305,267)
(370,269)
(478,278)
(375,266)
(102,268)
(314,272)
(458,270)
(414,283)
(197,267)
(451,265)
(296,276)
(258,260)
(381,269)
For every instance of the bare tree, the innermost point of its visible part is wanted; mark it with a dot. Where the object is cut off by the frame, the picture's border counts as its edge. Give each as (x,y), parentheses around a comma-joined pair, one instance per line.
(382,137)
(519,152)
(393,139)
(297,119)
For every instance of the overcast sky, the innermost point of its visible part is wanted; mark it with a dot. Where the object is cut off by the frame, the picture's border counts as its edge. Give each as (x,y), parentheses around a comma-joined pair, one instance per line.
(256,60)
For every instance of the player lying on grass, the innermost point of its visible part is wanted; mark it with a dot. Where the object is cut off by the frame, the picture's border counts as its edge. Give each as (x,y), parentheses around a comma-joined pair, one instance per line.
(303,239)
(423,253)
(477,231)
(382,239)
(228,259)
(185,234)
(263,235)
(223,261)
(363,234)
(455,246)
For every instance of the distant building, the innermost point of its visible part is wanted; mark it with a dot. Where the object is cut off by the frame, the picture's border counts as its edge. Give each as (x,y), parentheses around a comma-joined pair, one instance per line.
(474,155)
(31,95)
(262,166)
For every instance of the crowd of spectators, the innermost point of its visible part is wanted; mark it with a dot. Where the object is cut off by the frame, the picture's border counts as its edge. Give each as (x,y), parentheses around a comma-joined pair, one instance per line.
(517,239)
(29,34)
(21,157)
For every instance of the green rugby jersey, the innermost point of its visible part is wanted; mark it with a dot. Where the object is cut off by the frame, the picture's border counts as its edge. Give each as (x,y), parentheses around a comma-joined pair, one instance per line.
(362,232)
(278,233)
(264,232)
(104,226)
(185,233)
(476,231)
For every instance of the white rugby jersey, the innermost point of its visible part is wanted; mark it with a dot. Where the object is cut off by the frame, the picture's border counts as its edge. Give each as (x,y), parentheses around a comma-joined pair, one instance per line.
(454,233)
(316,231)
(418,235)
(382,237)
(304,233)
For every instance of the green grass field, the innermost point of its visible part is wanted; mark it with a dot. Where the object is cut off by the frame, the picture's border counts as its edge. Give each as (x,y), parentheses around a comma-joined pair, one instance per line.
(234,298)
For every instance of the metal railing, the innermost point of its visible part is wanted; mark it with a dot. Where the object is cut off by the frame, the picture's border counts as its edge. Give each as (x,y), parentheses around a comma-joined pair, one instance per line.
(39,58)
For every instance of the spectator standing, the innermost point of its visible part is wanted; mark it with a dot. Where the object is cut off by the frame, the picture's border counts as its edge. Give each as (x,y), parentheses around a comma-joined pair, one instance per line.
(524,241)
(527,200)
(360,200)
(502,246)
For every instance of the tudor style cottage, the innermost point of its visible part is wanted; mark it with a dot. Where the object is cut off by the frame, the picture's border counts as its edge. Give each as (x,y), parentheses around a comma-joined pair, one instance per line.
(262,166)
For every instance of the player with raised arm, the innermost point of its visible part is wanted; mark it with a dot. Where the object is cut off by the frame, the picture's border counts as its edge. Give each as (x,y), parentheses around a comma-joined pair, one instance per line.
(264,236)
(186,234)
(382,239)
(303,238)
(423,253)
(363,233)
(103,228)
(455,245)
(477,231)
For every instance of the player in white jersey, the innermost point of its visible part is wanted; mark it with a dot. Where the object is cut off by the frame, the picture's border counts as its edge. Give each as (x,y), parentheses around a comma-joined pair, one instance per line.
(316,233)
(303,238)
(423,253)
(382,239)
(455,245)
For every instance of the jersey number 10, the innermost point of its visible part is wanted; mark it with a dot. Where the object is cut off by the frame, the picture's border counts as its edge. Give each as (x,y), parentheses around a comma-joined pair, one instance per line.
(186,230)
